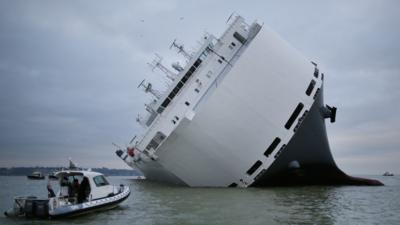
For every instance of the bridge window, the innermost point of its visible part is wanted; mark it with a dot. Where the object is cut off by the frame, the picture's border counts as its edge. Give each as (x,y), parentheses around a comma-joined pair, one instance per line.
(239,37)
(100,181)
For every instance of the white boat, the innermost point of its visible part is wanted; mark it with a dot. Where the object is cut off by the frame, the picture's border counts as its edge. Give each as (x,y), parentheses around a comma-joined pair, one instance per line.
(246,110)
(80,192)
(36,176)
(388,174)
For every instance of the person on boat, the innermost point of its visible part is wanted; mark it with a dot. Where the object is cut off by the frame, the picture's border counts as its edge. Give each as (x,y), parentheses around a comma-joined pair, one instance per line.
(64,191)
(70,188)
(84,190)
(50,192)
(75,187)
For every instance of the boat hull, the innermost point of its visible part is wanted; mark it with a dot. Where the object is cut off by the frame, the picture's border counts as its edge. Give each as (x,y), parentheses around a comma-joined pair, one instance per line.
(35,177)
(256,124)
(309,148)
(91,206)
(32,207)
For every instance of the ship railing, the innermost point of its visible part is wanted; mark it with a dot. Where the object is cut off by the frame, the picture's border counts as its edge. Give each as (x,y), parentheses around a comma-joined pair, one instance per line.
(148,132)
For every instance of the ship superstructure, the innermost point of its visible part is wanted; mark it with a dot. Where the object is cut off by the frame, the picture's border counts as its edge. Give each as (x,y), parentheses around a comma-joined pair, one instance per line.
(246,110)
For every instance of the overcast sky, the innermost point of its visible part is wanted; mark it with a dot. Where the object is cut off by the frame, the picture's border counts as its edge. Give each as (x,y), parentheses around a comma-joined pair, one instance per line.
(69,72)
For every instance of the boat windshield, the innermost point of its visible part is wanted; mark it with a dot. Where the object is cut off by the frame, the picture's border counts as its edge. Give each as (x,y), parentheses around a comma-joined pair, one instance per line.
(100,180)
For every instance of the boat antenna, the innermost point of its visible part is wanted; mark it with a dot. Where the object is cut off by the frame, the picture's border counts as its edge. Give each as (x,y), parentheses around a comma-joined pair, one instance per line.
(156,63)
(72,165)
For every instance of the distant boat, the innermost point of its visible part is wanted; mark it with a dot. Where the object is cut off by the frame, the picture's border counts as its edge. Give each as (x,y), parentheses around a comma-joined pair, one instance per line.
(52,176)
(388,174)
(36,176)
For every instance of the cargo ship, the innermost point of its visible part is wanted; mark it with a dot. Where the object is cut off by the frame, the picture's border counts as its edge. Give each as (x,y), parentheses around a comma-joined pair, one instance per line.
(247,110)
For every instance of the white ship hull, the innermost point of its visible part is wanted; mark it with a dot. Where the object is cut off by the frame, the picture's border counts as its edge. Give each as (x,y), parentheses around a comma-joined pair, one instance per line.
(241,130)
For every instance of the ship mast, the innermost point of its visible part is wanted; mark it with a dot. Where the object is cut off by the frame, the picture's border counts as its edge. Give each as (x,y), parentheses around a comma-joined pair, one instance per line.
(156,63)
(148,88)
(180,48)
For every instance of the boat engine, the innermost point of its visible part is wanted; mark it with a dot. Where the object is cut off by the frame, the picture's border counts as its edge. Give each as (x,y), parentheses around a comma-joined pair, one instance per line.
(30,207)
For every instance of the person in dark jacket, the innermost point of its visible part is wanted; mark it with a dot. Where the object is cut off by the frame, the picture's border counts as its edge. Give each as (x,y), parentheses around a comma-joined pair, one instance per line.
(84,190)
(50,192)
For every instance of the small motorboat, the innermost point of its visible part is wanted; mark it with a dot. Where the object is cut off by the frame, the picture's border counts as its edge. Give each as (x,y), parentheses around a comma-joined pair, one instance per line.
(36,176)
(388,174)
(81,192)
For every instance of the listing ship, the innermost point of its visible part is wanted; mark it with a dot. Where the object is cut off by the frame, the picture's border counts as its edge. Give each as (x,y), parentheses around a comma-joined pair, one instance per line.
(246,110)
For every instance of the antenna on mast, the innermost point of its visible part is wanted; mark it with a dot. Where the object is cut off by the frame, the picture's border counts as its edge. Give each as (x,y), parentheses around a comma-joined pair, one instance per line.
(148,88)
(180,49)
(156,63)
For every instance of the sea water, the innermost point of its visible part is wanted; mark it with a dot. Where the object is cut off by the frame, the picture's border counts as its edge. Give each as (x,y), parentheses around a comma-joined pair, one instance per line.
(153,203)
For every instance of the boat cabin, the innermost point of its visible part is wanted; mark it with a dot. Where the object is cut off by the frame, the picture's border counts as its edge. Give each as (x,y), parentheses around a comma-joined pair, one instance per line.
(36,176)
(82,186)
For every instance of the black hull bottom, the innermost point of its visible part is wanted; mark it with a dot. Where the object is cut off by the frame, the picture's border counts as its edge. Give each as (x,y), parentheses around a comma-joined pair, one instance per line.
(317,174)
(307,158)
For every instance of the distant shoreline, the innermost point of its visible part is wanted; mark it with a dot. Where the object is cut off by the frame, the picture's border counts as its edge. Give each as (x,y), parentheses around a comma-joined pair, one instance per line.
(23,171)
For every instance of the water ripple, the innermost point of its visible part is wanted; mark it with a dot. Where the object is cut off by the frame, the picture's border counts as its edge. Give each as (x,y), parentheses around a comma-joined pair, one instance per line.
(152,203)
